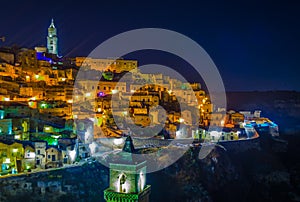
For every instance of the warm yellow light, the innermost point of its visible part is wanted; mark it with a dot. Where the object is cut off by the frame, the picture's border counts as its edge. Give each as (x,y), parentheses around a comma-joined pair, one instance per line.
(37,76)
(69,101)
(181,120)
(99,110)
(6,99)
(88,94)
(63,79)
(14,150)
(114,91)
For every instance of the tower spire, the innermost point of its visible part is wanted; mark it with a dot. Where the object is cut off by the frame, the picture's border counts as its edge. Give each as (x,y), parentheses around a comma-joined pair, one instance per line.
(52,23)
(52,39)
(128,146)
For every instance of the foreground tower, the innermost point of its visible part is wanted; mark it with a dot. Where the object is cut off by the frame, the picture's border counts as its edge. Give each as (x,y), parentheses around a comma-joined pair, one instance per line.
(52,39)
(127,181)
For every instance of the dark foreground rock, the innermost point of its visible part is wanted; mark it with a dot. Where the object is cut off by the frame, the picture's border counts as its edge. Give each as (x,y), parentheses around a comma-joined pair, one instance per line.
(257,173)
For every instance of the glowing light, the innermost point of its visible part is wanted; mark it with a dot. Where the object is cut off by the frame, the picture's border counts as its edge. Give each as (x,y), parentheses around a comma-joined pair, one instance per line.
(142,181)
(63,79)
(14,150)
(72,155)
(47,128)
(17,137)
(93,147)
(114,91)
(7,160)
(100,94)
(181,120)
(222,123)
(37,76)
(132,91)
(32,104)
(70,101)
(6,99)
(99,110)
(87,94)
(43,105)
(122,186)
(118,141)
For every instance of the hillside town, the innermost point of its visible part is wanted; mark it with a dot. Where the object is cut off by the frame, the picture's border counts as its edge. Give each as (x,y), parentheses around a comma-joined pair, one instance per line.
(49,117)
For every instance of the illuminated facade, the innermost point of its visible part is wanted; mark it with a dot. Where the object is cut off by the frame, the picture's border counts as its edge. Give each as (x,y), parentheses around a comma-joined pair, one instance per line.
(127,178)
(52,39)
(113,65)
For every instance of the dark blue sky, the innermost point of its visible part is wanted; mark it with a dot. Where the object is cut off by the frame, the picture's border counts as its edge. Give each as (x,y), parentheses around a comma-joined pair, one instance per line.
(255,44)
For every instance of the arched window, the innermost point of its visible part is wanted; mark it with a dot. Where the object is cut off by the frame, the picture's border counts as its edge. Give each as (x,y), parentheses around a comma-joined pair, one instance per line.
(122,180)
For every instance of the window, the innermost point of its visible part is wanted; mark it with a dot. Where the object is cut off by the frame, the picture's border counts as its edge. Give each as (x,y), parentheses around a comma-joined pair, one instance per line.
(38,151)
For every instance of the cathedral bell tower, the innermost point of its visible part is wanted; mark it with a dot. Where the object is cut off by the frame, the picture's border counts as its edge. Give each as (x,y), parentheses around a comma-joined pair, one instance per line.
(52,39)
(127,181)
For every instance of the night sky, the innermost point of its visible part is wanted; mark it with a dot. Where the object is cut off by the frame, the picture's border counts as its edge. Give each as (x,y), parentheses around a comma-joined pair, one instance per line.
(255,44)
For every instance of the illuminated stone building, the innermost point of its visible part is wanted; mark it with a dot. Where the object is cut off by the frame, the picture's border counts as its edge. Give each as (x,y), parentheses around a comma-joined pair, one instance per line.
(127,177)
(113,65)
(53,157)
(11,155)
(52,39)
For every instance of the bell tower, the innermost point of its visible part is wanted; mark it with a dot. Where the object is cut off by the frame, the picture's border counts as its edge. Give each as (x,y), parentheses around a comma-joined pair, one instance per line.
(127,181)
(52,39)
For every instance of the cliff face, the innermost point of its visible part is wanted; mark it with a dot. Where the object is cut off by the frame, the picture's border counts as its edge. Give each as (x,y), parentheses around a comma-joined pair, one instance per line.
(84,183)
(258,173)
